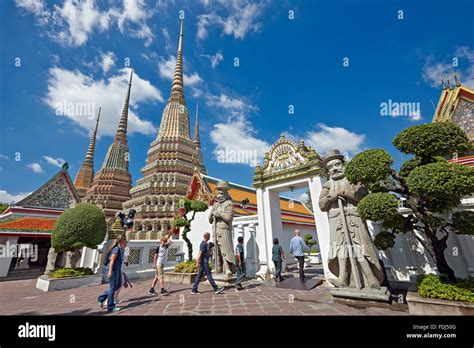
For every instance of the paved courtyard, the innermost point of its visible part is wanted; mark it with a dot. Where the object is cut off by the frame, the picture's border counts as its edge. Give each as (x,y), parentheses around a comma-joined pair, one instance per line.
(20,297)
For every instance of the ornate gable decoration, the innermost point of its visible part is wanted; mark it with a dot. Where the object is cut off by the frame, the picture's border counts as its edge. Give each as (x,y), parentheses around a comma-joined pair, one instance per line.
(286,159)
(57,193)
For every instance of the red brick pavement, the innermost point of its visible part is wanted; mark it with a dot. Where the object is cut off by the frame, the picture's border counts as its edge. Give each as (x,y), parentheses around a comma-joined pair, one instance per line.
(22,298)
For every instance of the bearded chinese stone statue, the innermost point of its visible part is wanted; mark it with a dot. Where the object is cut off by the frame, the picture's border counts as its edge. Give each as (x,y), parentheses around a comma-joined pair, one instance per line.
(348,231)
(221,216)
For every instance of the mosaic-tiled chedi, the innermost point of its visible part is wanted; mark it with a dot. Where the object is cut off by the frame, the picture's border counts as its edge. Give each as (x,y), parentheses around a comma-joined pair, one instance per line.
(112,183)
(85,175)
(171,160)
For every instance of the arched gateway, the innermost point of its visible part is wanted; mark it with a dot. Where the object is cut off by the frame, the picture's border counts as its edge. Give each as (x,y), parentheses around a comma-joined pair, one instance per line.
(289,166)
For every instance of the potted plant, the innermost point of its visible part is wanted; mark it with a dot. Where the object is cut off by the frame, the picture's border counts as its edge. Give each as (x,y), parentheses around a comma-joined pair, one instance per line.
(81,226)
(184,273)
(310,242)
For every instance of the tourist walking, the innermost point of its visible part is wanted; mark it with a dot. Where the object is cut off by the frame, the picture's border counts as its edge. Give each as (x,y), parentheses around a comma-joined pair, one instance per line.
(125,281)
(297,248)
(239,256)
(202,266)
(159,260)
(277,257)
(114,260)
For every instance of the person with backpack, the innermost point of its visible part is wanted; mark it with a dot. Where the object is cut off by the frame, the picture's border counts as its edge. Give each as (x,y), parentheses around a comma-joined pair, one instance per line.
(125,282)
(159,260)
(113,260)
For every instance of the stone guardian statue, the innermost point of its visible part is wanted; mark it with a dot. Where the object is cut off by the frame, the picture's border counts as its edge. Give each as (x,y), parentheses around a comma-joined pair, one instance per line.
(221,216)
(352,256)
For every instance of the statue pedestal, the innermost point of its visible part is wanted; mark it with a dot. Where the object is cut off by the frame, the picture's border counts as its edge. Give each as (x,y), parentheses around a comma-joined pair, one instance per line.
(222,279)
(382,294)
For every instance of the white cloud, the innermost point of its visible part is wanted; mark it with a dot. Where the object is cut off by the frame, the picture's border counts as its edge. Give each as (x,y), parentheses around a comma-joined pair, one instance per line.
(58,162)
(78,97)
(215,59)
(168,42)
(35,167)
(78,20)
(74,22)
(133,20)
(6,197)
(433,72)
(236,142)
(36,7)
(3,156)
(166,70)
(327,138)
(228,103)
(108,61)
(237,17)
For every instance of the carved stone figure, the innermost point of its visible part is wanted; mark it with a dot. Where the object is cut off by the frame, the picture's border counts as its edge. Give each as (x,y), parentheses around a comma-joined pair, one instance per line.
(221,216)
(352,255)
(51,263)
(72,258)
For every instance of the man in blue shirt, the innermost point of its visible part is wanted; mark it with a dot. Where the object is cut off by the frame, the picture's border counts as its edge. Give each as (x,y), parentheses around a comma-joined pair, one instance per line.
(297,248)
(202,265)
(114,275)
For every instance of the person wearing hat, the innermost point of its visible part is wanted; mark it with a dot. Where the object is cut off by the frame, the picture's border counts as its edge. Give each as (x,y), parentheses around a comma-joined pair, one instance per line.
(339,198)
(221,216)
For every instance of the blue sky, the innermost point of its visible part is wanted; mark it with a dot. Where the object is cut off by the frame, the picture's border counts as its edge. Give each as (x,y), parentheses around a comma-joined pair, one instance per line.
(333,62)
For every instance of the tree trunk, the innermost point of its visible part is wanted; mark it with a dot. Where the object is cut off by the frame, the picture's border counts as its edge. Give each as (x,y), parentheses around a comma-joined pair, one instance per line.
(188,242)
(439,246)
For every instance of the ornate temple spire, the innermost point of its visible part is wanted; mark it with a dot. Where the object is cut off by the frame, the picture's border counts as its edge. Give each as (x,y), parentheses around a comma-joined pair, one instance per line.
(175,117)
(85,175)
(443,85)
(197,138)
(90,150)
(112,183)
(171,161)
(121,134)
(177,87)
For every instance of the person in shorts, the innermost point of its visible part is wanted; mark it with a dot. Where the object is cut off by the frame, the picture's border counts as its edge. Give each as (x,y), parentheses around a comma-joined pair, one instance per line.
(159,260)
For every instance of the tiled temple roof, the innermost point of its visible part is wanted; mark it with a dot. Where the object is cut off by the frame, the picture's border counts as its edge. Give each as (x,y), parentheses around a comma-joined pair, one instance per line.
(292,210)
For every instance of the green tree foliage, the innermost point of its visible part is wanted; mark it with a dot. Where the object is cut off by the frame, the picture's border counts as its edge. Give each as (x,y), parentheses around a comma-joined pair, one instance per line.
(3,207)
(308,239)
(188,206)
(81,226)
(463,222)
(430,186)
(432,139)
(379,206)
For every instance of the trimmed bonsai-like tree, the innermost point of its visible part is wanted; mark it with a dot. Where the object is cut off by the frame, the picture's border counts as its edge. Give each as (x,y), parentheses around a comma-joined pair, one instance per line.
(188,206)
(81,226)
(429,185)
(310,242)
